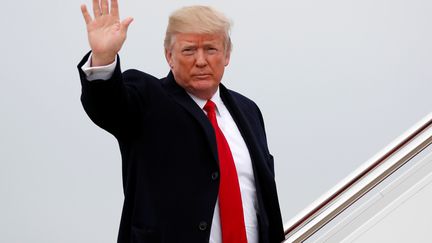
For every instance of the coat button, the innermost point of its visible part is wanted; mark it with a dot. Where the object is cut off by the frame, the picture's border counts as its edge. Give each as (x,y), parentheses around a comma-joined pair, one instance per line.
(215,175)
(202,225)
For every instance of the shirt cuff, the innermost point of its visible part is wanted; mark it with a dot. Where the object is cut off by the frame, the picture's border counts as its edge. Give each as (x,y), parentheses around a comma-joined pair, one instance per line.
(100,72)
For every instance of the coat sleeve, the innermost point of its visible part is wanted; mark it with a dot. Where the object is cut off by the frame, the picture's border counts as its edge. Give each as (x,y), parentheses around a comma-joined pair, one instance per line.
(117,104)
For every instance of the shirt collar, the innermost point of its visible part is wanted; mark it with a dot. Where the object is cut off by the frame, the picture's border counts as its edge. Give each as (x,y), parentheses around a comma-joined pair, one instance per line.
(201,102)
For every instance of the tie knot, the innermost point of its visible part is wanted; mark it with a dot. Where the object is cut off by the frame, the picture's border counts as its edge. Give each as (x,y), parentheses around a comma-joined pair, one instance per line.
(210,106)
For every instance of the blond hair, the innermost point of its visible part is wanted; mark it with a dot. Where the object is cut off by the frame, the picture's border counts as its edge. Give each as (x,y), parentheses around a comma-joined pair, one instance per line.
(198,19)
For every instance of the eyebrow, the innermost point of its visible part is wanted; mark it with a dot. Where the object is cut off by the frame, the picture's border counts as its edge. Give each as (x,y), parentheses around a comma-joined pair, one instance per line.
(205,43)
(188,45)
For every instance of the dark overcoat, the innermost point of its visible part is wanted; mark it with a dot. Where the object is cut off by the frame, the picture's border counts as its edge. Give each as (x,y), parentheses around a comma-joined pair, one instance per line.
(169,156)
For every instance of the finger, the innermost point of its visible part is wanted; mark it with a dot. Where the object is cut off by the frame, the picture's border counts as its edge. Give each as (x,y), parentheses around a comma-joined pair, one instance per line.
(125,24)
(86,14)
(96,8)
(104,7)
(114,8)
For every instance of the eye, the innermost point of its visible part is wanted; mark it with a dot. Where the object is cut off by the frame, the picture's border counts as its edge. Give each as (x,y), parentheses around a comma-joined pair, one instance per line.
(188,51)
(212,50)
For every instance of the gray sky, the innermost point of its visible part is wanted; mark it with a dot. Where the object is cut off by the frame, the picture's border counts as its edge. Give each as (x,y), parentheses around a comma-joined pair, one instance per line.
(336,81)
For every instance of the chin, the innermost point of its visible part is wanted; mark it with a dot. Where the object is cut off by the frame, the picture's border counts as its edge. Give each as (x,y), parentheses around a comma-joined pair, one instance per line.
(204,93)
(205,85)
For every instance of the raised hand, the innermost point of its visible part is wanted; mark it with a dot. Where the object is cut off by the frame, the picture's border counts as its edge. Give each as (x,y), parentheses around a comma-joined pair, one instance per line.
(106,34)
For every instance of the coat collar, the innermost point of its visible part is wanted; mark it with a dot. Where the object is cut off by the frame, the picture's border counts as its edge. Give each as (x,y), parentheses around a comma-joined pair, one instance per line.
(246,130)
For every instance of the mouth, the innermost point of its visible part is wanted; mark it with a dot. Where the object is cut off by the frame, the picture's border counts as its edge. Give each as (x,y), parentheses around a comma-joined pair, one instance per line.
(202,76)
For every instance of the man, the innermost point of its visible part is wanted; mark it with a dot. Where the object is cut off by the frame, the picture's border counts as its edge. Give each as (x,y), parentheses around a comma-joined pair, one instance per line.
(196,167)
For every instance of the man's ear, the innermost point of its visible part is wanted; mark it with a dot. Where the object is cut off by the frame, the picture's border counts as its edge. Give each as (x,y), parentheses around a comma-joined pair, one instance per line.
(227,58)
(168,57)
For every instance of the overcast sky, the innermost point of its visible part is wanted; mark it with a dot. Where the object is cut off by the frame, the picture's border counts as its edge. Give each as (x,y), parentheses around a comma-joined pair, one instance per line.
(336,80)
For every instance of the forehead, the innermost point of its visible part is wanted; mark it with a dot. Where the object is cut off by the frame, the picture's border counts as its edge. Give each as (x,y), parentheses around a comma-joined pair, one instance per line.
(193,38)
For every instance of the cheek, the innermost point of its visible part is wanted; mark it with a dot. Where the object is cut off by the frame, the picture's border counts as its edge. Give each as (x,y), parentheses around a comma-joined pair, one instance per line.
(185,65)
(219,65)
(177,67)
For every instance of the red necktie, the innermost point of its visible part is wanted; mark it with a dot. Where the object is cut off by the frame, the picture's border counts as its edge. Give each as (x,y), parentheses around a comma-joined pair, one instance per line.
(230,202)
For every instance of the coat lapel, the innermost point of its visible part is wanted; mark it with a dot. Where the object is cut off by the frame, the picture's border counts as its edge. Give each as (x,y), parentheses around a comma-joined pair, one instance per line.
(182,98)
(245,127)
(255,151)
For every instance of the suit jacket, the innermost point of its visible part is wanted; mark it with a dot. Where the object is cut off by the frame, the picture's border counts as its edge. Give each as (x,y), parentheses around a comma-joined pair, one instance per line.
(169,156)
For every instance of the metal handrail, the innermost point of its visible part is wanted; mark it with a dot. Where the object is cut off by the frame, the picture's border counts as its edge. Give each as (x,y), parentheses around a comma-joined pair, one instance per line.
(416,133)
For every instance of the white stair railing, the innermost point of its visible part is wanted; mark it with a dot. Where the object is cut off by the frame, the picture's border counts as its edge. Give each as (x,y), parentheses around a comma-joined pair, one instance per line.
(361,181)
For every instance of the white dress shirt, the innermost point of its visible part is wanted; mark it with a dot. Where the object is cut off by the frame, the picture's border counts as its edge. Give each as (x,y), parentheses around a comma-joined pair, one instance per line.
(238,148)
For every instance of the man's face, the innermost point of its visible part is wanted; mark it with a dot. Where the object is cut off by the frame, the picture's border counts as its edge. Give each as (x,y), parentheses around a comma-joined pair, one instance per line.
(198,62)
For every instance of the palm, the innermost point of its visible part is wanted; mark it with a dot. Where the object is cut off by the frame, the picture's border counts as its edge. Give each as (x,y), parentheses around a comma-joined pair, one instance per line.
(106,34)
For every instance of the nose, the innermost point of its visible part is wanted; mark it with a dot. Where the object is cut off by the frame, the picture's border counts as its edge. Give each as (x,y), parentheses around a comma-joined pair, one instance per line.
(200,58)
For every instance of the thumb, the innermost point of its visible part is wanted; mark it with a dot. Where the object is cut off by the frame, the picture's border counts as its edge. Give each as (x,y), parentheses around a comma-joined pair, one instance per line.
(125,24)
